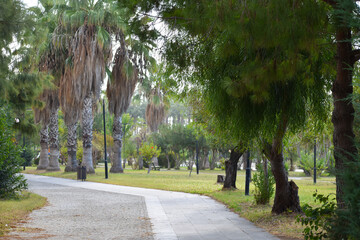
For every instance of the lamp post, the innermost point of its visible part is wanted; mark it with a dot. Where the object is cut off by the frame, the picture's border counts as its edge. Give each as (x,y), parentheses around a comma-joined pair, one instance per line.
(123,150)
(24,153)
(197,157)
(247,177)
(106,164)
(315,162)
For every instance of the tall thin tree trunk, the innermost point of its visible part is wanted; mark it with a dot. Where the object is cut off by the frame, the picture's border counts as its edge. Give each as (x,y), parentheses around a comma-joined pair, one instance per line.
(116,166)
(343,113)
(87,123)
(54,141)
(44,157)
(141,163)
(231,168)
(168,161)
(72,163)
(286,193)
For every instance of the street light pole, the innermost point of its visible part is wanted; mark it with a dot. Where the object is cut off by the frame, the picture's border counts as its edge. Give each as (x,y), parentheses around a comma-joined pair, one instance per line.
(315,162)
(24,153)
(197,157)
(123,145)
(106,164)
(247,177)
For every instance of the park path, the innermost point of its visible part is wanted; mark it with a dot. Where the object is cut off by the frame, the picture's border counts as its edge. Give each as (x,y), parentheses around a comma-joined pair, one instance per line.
(173,215)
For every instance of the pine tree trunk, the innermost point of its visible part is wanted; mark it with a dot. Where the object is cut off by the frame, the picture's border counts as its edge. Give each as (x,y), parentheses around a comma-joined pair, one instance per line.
(72,163)
(54,141)
(116,166)
(168,161)
(44,157)
(231,169)
(286,193)
(177,162)
(213,160)
(87,123)
(343,113)
(141,163)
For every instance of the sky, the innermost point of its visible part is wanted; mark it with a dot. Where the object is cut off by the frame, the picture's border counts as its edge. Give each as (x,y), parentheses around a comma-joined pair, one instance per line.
(30,3)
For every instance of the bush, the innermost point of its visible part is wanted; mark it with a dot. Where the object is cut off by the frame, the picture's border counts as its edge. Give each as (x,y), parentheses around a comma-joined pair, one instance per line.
(347,222)
(264,185)
(27,155)
(148,151)
(307,164)
(222,163)
(318,220)
(11,183)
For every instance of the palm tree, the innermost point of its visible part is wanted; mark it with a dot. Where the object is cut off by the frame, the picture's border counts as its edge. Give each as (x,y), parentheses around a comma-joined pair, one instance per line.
(51,61)
(89,24)
(120,89)
(42,116)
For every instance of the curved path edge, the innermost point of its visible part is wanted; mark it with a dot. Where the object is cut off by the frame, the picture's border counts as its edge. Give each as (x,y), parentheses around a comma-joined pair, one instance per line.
(177,215)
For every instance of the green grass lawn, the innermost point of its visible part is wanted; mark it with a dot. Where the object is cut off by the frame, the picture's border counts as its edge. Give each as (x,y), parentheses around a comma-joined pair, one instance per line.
(13,211)
(205,183)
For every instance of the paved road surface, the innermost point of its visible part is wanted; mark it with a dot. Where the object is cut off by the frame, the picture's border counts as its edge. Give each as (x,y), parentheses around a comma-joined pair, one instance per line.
(87,210)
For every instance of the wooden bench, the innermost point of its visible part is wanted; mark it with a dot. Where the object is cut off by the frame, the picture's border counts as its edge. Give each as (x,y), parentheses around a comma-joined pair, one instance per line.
(155,167)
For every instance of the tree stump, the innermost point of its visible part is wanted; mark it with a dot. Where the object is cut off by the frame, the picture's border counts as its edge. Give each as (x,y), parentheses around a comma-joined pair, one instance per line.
(220,179)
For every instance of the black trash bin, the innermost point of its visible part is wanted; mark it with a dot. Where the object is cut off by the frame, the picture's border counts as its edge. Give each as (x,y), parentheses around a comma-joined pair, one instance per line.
(81,173)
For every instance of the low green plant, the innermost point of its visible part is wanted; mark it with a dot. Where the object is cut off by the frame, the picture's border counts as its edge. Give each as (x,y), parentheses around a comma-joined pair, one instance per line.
(79,151)
(264,184)
(11,183)
(307,164)
(222,163)
(148,151)
(27,155)
(318,220)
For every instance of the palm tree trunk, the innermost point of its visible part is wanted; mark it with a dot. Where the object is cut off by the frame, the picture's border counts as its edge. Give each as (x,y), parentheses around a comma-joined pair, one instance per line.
(87,123)
(71,165)
(116,165)
(54,141)
(44,157)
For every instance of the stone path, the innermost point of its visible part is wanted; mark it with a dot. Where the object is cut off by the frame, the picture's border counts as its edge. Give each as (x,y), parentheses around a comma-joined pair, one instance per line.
(173,215)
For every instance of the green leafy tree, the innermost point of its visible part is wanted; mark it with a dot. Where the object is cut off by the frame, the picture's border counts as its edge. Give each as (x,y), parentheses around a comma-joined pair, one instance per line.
(257,80)
(11,183)
(148,151)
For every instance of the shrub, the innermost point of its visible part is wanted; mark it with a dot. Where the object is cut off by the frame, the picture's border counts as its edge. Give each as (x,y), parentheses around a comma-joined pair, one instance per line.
(264,185)
(307,164)
(222,163)
(148,151)
(27,155)
(11,183)
(318,220)
(347,222)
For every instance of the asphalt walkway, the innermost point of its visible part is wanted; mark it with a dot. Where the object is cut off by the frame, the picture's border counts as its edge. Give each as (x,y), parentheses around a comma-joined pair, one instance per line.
(173,215)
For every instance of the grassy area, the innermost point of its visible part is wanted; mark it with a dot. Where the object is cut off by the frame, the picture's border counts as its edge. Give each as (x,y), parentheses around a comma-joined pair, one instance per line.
(13,211)
(205,183)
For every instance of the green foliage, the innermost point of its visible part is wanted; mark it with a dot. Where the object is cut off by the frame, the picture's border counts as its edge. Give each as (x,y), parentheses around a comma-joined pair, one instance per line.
(27,155)
(347,223)
(222,163)
(11,183)
(264,185)
(317,220)
(307,164)
(64,153)
(10,26)
(148,151)
(79,151)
